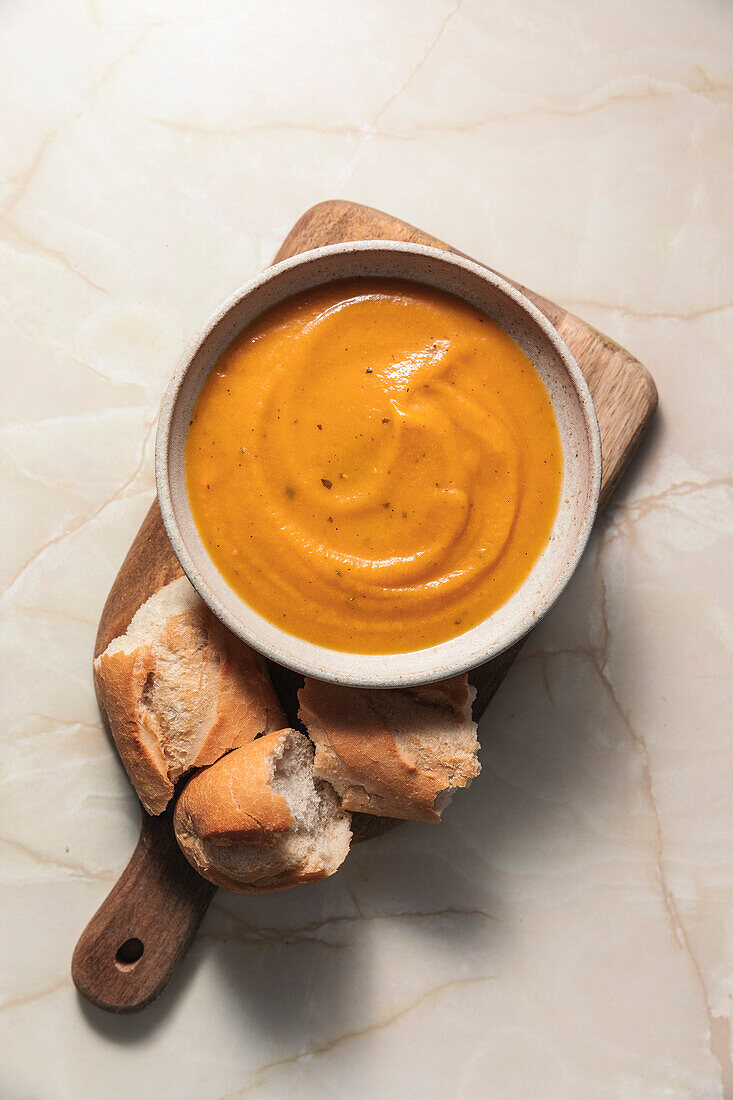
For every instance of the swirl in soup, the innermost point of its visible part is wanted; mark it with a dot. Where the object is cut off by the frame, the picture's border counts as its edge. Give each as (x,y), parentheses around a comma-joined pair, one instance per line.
(374,465)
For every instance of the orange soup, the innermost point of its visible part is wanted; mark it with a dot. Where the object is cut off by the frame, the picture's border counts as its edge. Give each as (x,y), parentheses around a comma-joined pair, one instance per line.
(374,465)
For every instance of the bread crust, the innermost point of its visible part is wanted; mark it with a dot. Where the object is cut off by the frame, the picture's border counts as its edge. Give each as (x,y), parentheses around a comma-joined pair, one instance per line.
(231,800)
(247,705)
(398,753)
(121,678)
(232,803)
(218,694)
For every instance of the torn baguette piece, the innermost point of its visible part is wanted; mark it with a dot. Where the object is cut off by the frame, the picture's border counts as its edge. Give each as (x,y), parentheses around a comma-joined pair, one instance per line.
(179,690)
(393,753)
(257,821)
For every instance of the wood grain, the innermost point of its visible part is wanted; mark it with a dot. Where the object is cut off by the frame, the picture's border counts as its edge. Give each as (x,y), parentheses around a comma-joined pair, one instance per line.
(134,942)
(159,899)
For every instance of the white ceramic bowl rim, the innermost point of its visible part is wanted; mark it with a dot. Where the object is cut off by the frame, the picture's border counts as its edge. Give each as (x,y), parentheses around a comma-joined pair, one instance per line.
(458,654)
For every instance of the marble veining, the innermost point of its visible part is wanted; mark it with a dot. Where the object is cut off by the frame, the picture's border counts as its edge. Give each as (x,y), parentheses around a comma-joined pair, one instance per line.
(568,931)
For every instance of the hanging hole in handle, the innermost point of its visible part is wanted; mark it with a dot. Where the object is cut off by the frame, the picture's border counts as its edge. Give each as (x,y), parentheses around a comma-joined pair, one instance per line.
(129,954)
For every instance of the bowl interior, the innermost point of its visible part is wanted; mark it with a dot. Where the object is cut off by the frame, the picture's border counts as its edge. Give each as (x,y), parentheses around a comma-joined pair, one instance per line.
(576,424)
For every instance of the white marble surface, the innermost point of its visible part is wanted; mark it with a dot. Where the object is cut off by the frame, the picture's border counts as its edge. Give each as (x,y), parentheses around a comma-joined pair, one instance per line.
(568,932)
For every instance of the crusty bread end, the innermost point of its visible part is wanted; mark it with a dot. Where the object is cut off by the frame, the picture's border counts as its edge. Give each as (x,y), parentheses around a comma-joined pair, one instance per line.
(179,690)
(399,753)
(256,822)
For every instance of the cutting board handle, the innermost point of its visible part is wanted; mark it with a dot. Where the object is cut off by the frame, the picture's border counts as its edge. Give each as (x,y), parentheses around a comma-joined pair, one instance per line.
(129,950)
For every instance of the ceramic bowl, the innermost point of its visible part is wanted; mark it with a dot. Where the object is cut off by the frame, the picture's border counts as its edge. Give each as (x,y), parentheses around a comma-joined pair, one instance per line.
(576,422)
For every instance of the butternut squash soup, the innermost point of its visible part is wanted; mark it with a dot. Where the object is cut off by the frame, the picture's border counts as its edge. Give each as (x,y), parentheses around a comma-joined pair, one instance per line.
(374,465)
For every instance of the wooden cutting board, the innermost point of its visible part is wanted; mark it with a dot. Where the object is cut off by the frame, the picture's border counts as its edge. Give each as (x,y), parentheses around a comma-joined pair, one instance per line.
(132,945)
